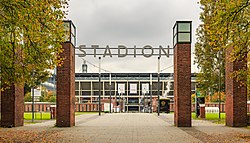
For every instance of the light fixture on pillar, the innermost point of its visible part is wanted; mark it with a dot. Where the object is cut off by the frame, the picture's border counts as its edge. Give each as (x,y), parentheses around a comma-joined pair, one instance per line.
(182,32)
(70,32)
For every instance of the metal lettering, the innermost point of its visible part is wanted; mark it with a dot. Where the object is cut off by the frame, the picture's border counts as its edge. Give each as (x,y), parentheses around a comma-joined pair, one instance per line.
(119,51)
(94,46)
(162,49)
(146,51)
(81,47)
(109,51)
(134,51)
(147,47)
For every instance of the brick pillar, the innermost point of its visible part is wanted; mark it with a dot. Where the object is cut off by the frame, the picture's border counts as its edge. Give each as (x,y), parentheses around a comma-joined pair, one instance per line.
(12,108)
(236,94)
(182,85)
(65,101)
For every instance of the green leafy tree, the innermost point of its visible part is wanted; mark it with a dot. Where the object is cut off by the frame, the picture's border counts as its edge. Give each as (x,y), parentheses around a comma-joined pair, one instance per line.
(225,24)
(31,33)
(27,97)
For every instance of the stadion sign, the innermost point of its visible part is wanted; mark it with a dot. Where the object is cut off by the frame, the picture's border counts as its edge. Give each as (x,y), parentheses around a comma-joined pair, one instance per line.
(122,51)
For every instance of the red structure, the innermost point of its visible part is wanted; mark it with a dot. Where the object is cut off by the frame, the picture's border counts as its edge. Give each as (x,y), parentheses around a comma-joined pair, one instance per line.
(12,106)
(65,100)
(202,111)
(182,85)
(182,73)
(236,94)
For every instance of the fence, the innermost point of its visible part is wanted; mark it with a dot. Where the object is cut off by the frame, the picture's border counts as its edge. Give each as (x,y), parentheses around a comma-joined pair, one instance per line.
(45,107)
(81,107)
(222,106)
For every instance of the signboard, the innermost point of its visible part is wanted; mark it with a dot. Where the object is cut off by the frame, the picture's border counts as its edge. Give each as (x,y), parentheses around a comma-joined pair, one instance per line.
(133,88)
(122,51)
(106,107)
(145,88)
(37,91)
(121,88)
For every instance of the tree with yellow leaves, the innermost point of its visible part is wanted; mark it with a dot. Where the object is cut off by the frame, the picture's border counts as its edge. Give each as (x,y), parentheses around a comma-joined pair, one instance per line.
(225,24)
(31,33)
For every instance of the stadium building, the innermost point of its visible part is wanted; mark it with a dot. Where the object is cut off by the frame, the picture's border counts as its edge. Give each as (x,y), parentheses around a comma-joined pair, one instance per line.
(132,91)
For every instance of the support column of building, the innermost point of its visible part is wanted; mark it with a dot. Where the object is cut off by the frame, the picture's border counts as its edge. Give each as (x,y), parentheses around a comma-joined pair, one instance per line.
(236,94)
(12,106)
(66,87)
(182,85)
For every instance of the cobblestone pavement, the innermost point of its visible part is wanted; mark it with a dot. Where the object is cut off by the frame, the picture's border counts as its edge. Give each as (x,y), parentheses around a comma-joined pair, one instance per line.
(209,132)
(126,128)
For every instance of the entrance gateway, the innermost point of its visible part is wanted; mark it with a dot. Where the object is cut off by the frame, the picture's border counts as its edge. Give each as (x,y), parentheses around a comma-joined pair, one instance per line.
(236,109)
(182,71)
(182,37)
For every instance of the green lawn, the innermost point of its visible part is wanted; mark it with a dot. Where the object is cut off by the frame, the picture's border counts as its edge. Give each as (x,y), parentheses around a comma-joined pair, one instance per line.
(37,116)
(80,113)
(46,115)
(215,116)
(212,116)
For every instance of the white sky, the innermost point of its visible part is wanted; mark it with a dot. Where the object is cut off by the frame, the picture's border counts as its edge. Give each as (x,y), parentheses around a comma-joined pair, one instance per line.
(130,22)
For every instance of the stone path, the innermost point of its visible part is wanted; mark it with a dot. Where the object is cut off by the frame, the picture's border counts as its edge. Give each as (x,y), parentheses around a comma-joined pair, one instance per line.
(130,128)
(127,128)
(209,132)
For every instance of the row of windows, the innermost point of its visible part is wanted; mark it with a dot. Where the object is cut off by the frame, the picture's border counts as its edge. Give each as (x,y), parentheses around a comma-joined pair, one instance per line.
(95,85)
(86,86)
(107,93)
(130,101)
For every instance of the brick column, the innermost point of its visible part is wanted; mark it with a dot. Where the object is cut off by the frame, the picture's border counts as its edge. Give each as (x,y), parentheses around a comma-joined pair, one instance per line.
(182,85)
(12,108)
(65,101)
(236,94)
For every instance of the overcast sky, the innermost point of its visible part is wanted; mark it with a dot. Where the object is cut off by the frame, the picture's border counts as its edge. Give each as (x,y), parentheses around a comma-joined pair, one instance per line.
(130,22)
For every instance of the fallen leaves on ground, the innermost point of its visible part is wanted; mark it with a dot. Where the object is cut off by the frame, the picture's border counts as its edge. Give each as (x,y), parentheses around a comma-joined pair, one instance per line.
(29,136)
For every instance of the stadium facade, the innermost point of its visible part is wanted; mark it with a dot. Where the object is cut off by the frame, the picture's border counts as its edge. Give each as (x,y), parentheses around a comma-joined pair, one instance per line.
(131,90)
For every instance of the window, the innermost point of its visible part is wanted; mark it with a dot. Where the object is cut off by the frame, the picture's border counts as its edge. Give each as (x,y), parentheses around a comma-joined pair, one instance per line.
(107,93)
(76,85)
(133,88)
(106,86)
(86,93)
(76,93)
(85,85)
(193,85)
(96,85)
(171,85)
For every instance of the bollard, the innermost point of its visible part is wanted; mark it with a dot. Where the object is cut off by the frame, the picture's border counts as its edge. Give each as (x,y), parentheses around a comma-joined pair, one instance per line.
(53,111)
(248,119)
(202,111)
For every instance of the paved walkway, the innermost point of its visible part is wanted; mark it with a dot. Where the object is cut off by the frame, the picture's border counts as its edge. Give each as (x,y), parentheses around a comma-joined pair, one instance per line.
(132,128)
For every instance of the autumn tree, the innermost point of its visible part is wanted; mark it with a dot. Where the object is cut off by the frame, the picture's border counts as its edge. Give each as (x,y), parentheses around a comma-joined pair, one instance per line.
(225,24)
(31,33)
(47,96)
